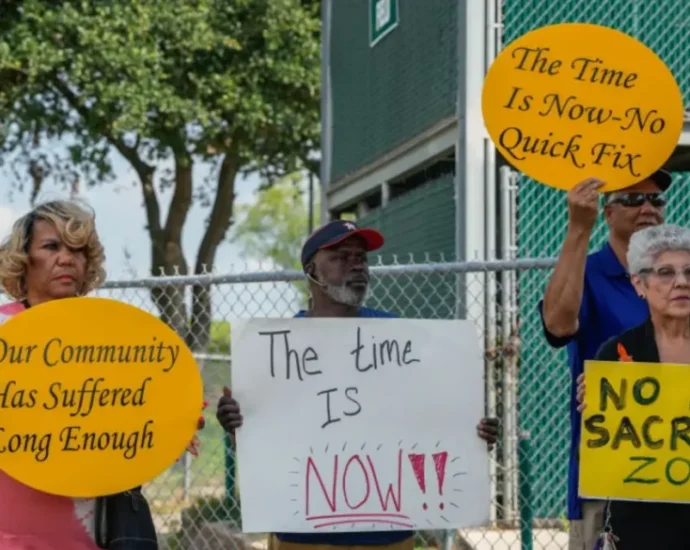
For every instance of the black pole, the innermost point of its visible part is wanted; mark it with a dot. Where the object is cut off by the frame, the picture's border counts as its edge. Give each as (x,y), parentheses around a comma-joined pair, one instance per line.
(311,202)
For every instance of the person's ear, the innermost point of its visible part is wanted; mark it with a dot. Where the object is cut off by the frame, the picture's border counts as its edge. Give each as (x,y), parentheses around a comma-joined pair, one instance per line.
(608,212)
(639,285)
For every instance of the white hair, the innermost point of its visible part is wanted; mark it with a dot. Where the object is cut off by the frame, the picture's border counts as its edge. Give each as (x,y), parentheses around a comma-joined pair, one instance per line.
(649,243)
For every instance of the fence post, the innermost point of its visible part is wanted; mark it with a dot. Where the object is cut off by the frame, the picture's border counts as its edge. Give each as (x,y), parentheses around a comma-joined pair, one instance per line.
(525,490)
(187,490)
(229,471)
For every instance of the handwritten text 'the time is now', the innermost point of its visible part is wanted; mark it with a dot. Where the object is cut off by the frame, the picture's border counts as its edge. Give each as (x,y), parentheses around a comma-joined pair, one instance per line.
(368,354)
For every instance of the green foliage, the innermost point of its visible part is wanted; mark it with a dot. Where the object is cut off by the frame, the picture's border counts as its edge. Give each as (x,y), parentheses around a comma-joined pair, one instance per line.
(565,523)
(217,374)
(167,78)
(220,338)
(207,509)
(276,224)
(209,465)
(233,83)
(214,509)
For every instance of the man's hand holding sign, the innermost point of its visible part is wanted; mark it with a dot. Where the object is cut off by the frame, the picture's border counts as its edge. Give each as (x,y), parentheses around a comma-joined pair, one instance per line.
(85,388)
(364,408)
(567,101)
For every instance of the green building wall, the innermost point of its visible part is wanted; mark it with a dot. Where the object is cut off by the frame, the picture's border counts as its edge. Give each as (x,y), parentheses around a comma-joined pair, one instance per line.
(385,95)
(418,227)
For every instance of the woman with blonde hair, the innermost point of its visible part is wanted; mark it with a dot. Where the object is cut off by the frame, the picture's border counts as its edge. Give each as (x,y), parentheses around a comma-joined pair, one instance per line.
(52,253)
(659,266)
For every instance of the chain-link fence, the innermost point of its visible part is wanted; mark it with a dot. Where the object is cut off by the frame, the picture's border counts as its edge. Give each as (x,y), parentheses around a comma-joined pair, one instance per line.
(663,26)
(196,504)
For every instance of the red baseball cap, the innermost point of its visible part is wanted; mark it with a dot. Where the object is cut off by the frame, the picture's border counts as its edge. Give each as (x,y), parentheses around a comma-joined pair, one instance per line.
(336,232)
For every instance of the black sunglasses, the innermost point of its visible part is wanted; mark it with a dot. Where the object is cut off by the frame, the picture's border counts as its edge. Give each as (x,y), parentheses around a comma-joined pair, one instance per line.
(638,199)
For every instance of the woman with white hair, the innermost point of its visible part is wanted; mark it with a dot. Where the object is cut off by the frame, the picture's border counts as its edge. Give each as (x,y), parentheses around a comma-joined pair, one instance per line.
(659,266)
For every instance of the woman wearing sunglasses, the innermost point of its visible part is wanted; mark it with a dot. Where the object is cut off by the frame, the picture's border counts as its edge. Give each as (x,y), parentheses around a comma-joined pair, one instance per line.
(659,266)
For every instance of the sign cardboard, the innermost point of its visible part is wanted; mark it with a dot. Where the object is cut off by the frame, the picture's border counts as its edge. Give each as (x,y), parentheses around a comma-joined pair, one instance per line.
(359,425)
(98,397)
(573,101)
(635,441)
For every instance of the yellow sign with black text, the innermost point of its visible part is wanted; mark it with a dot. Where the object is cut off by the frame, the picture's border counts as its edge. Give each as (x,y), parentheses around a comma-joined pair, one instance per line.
(573,101)
(97,397)
(635,442)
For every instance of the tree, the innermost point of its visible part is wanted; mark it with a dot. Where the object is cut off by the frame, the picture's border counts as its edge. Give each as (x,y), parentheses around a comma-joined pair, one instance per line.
(234,83)
(275,226)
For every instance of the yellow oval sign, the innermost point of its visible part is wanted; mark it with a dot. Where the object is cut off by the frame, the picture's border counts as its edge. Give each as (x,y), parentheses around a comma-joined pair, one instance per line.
(572,101)
(96,397)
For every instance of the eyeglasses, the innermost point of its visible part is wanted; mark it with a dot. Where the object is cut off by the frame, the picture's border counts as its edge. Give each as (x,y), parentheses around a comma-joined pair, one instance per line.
(668,273)
(657,200)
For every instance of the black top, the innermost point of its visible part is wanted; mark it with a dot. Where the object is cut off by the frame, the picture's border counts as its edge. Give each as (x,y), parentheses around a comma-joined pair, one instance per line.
(645,525)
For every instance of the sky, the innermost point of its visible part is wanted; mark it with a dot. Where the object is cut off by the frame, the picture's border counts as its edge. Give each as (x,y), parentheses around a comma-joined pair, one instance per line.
(121,221)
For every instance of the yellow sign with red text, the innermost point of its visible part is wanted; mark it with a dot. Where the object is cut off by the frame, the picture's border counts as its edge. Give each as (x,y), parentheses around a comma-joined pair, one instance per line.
(635,442)
(573,101)
(97,397)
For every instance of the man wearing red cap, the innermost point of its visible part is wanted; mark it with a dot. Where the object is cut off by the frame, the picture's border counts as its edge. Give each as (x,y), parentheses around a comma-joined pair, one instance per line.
(334,258)
(335,261)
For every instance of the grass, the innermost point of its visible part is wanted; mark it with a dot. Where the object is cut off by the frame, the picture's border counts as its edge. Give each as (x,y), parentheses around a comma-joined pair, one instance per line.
(166,493)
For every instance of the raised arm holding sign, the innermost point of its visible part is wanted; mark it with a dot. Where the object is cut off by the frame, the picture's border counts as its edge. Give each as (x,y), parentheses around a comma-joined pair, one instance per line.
(590,299)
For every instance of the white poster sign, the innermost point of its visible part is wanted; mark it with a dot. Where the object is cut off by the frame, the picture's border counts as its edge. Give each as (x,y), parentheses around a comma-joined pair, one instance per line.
(359,424)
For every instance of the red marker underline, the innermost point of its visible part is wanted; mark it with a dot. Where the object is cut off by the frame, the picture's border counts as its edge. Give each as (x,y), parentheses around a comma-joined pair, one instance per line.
(377,516)
(387,522)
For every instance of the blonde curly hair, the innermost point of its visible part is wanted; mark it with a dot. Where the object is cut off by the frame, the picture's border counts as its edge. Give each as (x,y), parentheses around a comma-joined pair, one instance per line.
(76,225)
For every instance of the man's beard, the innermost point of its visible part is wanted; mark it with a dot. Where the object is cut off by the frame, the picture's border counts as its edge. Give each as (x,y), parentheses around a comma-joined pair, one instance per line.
(346,295)
(343,294)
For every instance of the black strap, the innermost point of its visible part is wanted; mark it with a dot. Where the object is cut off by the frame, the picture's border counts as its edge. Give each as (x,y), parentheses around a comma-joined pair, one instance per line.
(100,521)
(101,514)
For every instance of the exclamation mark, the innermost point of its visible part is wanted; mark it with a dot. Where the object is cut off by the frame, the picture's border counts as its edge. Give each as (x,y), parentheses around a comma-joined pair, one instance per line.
(417,461)
(440,460)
